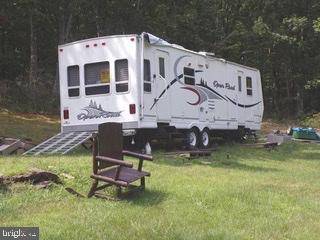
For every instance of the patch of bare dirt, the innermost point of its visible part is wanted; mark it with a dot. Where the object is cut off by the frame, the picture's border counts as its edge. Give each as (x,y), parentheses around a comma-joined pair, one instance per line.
(30,116)
(35,177)
(269,126)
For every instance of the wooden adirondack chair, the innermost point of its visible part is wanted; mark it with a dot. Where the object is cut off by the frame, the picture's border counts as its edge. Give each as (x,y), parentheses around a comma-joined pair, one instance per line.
(108,163)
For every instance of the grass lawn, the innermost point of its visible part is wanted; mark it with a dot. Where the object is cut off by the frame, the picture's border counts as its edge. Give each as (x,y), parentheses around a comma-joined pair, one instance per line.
(253,194)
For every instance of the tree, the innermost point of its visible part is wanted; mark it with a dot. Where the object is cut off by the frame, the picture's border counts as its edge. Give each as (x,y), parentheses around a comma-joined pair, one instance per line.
(280,38)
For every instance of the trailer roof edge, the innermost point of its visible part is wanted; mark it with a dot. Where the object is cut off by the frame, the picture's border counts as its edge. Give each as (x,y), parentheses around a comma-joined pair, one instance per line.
(96,38)
(174,46)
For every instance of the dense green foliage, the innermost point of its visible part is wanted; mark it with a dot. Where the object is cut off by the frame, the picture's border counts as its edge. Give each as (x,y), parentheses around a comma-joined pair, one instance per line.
(281,38)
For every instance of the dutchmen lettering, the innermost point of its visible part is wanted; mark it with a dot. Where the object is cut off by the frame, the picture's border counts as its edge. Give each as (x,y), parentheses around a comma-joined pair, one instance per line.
(216,84)
(93,111)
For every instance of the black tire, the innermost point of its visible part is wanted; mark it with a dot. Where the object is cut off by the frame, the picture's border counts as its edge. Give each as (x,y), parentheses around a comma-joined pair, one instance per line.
(192,138)
(140,141)
(240,134)
(127,142)
(204,139)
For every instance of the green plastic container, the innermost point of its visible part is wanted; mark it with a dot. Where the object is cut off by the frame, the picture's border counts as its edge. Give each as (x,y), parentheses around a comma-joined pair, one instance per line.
(305,133)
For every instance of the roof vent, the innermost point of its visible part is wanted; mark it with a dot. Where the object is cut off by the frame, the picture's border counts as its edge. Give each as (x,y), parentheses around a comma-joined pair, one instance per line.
(208,54)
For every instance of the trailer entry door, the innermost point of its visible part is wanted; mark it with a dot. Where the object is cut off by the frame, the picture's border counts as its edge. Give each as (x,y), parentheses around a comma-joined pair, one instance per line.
(241,91)
(161,82)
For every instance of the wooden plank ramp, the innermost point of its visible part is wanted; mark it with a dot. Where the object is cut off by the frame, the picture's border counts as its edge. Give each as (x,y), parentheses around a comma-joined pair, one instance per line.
(191,153)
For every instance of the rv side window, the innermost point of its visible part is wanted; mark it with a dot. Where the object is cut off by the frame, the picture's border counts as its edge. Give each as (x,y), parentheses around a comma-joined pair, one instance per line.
(249,85)
(239,84)
(161,67)
(97,78)
(122,75)
(73,81)
(146,76)
(189,76)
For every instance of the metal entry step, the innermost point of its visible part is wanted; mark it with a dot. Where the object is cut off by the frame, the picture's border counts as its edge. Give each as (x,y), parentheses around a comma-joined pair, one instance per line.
(61,143)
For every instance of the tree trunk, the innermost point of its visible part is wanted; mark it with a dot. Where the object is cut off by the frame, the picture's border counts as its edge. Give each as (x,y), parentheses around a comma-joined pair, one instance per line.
(299,102)
(65,24)
(275,92)
(33,68)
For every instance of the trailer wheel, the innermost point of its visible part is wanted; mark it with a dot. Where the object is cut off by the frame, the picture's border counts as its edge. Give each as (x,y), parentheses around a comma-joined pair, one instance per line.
(204,138)
(192,138)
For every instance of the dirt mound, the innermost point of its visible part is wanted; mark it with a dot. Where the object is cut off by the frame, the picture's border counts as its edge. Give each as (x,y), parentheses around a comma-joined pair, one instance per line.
(35,177)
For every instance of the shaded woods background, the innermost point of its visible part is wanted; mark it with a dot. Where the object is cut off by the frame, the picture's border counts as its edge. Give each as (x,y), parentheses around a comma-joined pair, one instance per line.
(281,38)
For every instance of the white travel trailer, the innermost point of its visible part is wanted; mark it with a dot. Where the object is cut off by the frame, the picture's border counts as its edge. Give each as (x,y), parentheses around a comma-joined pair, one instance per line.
(151,87)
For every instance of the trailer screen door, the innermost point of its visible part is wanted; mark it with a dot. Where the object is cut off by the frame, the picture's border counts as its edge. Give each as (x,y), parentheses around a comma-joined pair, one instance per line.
(162,68)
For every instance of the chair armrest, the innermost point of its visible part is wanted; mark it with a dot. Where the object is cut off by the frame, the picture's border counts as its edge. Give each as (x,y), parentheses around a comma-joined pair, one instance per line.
(137,155)
(114,161)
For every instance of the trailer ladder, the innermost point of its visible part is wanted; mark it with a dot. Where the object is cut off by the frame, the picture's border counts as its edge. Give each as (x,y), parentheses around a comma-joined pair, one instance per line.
(61,143)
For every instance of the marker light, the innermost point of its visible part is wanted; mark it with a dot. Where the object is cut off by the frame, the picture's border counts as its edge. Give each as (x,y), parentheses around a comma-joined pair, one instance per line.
(66,114)
(132,108)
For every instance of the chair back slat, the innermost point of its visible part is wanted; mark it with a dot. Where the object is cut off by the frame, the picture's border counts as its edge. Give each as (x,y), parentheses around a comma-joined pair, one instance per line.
(110,142)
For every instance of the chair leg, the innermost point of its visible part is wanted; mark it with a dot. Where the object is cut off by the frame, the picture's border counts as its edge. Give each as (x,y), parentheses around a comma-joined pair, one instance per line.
(118,192)
(143,183)
(93,188)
